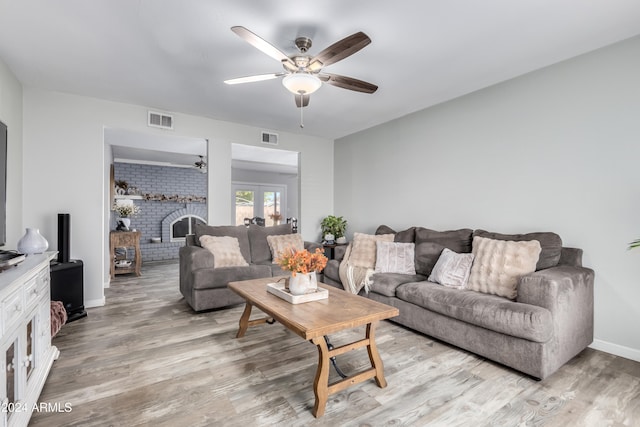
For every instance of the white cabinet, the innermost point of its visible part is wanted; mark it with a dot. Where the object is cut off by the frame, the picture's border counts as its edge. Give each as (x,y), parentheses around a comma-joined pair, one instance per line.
(26,353)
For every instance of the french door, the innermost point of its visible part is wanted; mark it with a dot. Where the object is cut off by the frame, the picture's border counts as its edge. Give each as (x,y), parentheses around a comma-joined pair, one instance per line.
(258,200)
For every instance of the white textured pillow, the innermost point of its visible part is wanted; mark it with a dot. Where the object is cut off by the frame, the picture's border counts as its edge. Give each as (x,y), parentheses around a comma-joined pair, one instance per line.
(499,264)
(363,249)
(452,269)
(225,250)
(395,257)
(278,243)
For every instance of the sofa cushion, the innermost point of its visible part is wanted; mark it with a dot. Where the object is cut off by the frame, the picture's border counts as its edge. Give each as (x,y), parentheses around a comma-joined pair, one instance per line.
(387,283)
(499,264)
(430,243)
(240,232)
(284,242)
(210,278)
(551,244)
(395,257)
(452,269)
(225,250)
(260,251)
(488,311)
(405,236)
(363,249)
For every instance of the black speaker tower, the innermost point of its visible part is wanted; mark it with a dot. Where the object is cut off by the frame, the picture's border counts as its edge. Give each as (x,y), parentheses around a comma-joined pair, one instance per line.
(64,231)
(67,278)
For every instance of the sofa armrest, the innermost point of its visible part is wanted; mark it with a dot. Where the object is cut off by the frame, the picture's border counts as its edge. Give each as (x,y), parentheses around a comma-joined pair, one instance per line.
(559,289)
(312,246)
(567,292)
(195,257)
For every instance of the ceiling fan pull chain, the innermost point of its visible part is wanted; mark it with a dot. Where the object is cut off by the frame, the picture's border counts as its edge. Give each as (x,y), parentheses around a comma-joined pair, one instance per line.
(301,108)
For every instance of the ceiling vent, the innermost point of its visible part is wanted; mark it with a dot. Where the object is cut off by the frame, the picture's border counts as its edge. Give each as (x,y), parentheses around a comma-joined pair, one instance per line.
(269,138)
(160,120)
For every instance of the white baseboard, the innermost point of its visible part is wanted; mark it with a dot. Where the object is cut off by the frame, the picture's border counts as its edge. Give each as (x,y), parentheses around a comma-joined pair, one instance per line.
(618,350)
(94,303)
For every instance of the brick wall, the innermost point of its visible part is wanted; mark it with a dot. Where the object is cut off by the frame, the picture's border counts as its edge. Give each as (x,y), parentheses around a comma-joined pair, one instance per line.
(165,180)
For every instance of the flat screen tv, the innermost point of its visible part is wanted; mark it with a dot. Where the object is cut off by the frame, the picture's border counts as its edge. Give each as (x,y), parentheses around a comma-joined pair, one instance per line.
(3,184)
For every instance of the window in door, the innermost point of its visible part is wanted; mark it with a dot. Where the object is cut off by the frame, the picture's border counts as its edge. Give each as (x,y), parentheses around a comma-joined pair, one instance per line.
(262,201)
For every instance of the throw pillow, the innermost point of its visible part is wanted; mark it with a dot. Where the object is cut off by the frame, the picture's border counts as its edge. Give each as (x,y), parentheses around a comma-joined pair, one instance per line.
(363,249)
(395,257)
(225,250)
(284,242)
(260,251)
(430,243)
(551,245)
(499,264)
(240,232)
(452,269)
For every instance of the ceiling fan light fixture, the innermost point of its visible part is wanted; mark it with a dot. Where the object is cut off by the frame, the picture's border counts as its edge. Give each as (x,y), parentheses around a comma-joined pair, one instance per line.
(302,83)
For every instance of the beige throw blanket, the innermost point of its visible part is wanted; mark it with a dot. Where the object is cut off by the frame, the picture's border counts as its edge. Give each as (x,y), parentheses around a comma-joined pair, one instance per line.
(359,261)
(354,278)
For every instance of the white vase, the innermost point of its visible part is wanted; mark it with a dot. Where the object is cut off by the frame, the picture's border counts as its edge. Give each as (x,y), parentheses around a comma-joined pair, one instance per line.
(341,240)
(303,283)
(32,242)
(126,221)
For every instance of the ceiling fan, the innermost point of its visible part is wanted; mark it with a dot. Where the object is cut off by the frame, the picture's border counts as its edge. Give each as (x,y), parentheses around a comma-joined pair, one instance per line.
(201,165)
(303,73)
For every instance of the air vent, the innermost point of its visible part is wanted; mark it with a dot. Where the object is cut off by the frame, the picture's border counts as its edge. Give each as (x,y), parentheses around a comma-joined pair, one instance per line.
(269,138)
(160,120)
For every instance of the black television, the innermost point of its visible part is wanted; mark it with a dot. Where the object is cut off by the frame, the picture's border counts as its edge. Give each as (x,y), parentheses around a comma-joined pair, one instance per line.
(3,184)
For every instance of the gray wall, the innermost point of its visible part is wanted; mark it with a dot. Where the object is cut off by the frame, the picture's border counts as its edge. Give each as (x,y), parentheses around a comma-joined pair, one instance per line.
(556,149)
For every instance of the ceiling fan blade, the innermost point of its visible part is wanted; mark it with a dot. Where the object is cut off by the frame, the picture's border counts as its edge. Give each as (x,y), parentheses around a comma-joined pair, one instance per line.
(339,50)
(348,83)
(261,44)
(251,79)
(305,100)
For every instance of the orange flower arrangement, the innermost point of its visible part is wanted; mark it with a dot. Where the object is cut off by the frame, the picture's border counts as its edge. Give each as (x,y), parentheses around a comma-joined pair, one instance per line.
(302,261)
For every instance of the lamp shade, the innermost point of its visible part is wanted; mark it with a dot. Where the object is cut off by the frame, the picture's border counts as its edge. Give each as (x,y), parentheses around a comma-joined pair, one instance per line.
(302,83)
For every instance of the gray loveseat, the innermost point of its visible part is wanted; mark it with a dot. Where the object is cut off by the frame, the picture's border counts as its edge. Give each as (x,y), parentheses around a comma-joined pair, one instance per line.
(205,287)
(549,322)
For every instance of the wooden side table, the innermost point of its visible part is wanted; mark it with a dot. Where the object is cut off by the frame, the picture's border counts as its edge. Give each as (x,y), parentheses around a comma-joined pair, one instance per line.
(329,250)
(125,239)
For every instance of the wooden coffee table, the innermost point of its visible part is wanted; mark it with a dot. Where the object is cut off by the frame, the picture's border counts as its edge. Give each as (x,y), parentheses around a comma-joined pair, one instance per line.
(313,321)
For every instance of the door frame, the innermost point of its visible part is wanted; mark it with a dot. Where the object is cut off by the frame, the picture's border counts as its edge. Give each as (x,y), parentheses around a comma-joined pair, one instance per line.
(259,189)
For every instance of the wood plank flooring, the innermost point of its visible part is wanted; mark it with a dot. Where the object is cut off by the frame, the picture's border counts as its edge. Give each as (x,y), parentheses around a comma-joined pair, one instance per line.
(147,359)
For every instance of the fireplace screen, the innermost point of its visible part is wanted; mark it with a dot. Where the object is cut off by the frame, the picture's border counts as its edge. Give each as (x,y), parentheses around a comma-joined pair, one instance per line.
(183,226)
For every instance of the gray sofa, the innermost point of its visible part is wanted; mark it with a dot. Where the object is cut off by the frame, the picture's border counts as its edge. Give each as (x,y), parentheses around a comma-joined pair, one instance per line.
(549,322)
(205,287)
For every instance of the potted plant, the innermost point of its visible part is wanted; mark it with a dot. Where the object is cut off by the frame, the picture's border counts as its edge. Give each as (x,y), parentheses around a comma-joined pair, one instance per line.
(333,227)
(125,211)
(303,266)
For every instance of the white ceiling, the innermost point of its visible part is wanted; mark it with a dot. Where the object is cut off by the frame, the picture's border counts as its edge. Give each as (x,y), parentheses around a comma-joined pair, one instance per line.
(174,55)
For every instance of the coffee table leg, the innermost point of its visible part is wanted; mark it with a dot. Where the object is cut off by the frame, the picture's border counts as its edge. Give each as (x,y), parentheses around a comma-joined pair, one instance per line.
(321,383)
(374,356)
(244,320)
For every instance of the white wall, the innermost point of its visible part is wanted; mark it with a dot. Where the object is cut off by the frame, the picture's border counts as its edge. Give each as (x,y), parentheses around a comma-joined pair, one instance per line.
(556,149)
(65,170)
(11,115)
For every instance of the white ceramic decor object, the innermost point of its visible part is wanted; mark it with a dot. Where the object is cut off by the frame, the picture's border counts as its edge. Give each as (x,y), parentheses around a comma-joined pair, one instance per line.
(32,242)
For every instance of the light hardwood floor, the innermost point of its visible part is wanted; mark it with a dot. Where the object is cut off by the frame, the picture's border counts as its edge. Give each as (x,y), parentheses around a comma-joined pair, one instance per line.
(146,359)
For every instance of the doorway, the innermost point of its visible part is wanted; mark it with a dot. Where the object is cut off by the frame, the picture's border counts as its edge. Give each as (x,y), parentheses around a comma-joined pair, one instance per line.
(255,200)
(265,184)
